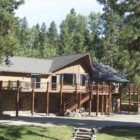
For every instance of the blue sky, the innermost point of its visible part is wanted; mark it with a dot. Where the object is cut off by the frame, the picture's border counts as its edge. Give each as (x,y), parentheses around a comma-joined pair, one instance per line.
(39,11)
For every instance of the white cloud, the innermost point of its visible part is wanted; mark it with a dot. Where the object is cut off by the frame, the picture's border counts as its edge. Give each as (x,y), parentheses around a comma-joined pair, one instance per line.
(38,11)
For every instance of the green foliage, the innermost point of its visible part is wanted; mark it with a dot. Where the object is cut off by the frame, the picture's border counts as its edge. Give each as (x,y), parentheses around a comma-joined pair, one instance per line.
(112,37)
(74,34)
(8,27)
(129,35)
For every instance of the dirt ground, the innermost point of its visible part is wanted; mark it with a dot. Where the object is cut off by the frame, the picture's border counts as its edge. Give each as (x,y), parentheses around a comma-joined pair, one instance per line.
(123,119)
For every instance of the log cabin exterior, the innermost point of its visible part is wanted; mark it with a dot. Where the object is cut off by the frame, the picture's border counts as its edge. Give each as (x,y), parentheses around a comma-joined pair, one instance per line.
(52,84)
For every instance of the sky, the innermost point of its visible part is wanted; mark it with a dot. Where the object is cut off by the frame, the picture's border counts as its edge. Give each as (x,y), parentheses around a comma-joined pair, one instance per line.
(39,11)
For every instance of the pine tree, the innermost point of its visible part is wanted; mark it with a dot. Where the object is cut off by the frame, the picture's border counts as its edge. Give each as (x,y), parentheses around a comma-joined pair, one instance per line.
(73,34)
(53,39)
(95,25)
(8,27)
(112,27)
(130,34)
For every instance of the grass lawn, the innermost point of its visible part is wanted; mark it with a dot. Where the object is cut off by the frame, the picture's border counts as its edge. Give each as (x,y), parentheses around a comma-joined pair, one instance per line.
(122,133)
(10,132)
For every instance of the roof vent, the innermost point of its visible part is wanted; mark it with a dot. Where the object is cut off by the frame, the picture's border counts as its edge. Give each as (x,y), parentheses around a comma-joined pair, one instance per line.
(8,62)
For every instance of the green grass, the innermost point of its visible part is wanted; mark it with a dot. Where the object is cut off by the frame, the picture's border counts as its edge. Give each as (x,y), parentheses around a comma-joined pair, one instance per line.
(122,133)
(10,132)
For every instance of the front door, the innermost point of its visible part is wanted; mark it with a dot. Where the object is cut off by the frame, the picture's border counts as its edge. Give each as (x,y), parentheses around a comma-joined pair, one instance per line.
(54,82)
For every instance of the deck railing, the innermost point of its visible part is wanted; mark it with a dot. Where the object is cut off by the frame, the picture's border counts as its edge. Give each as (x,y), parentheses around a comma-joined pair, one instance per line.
(57,87)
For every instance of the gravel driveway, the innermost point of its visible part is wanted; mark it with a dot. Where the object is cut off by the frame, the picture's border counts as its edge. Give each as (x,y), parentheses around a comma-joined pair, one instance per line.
(92,121)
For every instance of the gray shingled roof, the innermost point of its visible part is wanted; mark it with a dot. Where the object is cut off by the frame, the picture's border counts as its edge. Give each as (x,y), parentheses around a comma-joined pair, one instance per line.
(106,73)
(39,66)
(27,65)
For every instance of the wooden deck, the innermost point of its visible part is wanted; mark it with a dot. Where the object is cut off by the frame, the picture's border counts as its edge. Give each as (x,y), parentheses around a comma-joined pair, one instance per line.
(103,94)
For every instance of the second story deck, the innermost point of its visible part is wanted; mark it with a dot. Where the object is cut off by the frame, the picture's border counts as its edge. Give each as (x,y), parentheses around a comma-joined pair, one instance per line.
(57,88)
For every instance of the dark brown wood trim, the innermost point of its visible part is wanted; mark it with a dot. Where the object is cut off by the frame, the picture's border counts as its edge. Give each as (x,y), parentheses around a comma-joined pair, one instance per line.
(129,98)
(33,98)
(47,99)
(17,98)
(1,97)
(97,100)
(102,106)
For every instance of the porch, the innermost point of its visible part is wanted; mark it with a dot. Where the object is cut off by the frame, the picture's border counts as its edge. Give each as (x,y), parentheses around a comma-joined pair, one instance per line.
(99,97)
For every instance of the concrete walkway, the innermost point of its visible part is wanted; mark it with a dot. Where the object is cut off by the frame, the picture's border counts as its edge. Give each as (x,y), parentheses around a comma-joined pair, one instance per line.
(92,121)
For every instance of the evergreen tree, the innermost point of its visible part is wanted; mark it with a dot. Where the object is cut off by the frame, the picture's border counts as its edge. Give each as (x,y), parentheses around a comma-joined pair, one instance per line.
(8,27)
(111,32)
(130,34)
(53,38)
(73,34)
(95,25)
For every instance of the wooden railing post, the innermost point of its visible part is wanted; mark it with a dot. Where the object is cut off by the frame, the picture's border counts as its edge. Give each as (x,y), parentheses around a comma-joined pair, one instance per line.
(102,106)
(138,94)
(9,84)
(90,98)
(106,104)
(61,99)
(47,99)
(97,100)
(129,98)
(120,92)
(79,105)
(33,98)
(0,97)
(76,88)
(109,102)
(17,98)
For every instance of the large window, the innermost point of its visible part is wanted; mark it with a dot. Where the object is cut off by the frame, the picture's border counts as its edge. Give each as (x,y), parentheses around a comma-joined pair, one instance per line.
(68,79)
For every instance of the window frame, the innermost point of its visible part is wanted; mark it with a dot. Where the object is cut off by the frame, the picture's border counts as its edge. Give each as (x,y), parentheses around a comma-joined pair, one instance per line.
(72,81)
(85,82)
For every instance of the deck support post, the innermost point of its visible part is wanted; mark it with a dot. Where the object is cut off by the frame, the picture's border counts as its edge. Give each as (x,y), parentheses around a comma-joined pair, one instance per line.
(129,98)
(61,100)
(9,83)
(105,103)
(90,98)
(120,92)
(138,93)
(17,98)
(0,97)
(97,100)
(47,99)
(79,104)
(102,106)
(33,98)
(109,101)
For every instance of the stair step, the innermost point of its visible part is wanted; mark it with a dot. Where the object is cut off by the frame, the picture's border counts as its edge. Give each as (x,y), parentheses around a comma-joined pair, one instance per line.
(83,136)
(87,133)
(79,138)
(83,129)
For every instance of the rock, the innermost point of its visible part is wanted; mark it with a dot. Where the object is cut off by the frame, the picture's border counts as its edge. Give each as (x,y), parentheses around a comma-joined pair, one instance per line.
(68,113)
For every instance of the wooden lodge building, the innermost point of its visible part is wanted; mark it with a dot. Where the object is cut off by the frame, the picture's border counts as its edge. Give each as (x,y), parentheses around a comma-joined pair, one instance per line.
(56,84)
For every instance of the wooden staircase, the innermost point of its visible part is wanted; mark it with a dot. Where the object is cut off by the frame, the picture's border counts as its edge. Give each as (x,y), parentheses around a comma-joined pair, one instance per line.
(75,102)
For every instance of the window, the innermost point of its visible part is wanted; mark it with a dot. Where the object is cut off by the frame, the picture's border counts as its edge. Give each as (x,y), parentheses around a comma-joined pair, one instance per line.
(36,78)
(82,79)
(68,79)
